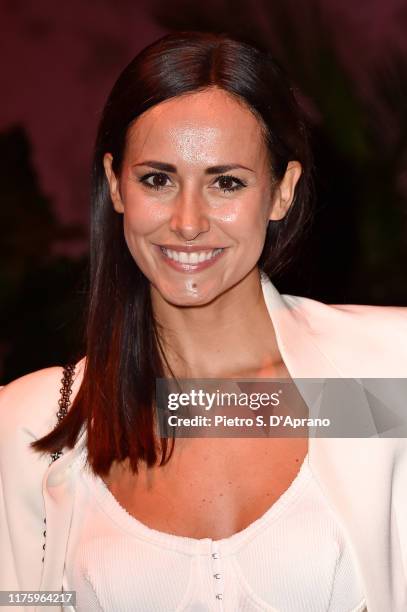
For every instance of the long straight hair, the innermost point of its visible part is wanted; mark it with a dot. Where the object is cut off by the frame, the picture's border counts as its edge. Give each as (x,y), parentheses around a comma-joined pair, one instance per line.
(124,355)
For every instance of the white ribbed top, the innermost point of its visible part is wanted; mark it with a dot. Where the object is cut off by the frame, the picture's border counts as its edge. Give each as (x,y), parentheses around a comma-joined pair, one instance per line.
(294,558)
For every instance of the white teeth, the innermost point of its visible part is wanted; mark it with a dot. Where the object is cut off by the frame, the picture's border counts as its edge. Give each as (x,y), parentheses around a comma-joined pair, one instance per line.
(193,258)
(190,258)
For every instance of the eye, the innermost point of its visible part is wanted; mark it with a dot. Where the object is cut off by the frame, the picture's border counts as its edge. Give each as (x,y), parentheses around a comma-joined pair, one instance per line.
(226,183)
(158,180)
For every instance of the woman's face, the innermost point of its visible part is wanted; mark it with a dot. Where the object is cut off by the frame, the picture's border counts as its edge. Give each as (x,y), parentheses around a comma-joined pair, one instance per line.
(196,174)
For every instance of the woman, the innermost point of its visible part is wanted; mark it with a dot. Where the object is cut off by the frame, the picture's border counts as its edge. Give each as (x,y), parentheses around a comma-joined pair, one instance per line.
(201,191)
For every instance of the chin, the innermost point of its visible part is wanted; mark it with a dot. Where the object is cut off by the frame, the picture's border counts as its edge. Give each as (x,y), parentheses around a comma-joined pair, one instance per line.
(186,295)
(187,299)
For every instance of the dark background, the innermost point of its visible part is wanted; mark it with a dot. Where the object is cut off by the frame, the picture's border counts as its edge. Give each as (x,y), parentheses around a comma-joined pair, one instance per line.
(58,63)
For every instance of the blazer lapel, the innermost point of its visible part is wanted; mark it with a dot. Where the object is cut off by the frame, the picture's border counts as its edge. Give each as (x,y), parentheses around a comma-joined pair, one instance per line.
(330,390)
(300,354)
(58,493)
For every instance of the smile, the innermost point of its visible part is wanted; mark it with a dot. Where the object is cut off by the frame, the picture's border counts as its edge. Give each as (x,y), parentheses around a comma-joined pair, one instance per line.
(190,262)
(190,258)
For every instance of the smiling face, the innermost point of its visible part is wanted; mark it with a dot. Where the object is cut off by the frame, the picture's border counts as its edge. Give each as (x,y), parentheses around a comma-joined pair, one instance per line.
(196,173)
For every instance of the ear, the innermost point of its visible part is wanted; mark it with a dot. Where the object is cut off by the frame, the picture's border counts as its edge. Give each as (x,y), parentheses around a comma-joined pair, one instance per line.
(113,183)
(284,192)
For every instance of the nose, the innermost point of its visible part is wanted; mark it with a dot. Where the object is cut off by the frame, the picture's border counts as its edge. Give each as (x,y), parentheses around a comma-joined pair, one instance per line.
(189,216)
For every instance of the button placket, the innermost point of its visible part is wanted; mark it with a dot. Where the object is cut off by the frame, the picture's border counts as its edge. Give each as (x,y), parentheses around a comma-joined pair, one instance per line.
(217,574)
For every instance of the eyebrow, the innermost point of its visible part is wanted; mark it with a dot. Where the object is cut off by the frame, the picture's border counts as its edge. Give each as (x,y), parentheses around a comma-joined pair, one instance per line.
(157,165)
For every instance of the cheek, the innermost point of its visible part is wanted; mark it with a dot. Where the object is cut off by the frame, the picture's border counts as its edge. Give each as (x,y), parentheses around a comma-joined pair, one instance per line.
(137,224)
(142,217)
(249,222)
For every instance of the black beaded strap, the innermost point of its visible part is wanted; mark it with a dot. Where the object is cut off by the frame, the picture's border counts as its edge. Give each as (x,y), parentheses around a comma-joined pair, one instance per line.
(63,403)
(64,400)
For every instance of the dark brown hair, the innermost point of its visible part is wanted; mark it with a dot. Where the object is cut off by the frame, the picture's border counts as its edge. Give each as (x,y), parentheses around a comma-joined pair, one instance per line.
(123,349)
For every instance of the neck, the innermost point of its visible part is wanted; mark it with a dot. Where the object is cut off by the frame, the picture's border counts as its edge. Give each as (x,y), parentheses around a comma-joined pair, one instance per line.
(228,337)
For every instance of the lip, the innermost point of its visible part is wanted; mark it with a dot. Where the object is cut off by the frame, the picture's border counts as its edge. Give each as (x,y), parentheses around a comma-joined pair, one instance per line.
(188,268)
(189,249)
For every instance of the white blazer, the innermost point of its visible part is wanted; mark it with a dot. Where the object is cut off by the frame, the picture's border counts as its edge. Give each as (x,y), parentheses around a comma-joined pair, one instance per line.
(364,479)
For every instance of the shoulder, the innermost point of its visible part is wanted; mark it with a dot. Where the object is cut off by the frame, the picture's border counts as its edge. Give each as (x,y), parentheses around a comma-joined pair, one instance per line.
(30,400)
(28,411)
(376,320)
(375,337)
(29,404)
(359,313)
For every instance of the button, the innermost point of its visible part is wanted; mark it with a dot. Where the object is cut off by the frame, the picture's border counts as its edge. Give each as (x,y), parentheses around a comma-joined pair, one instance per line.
(219,596)
(215,555)
(217,576)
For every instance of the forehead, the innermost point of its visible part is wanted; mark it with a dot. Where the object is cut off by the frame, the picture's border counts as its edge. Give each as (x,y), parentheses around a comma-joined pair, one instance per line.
(198,127)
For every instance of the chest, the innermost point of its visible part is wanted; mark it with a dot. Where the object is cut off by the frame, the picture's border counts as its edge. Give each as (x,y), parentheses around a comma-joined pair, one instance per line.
(211,488)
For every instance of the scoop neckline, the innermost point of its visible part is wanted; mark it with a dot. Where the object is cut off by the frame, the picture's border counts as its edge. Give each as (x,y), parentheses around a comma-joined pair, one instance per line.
(228,545)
